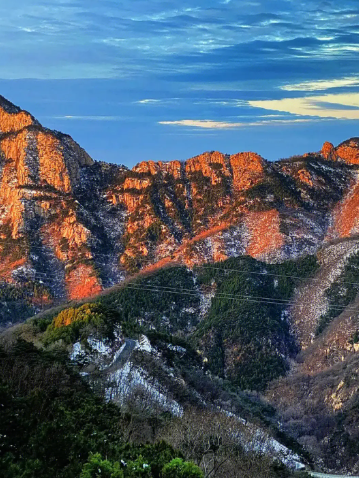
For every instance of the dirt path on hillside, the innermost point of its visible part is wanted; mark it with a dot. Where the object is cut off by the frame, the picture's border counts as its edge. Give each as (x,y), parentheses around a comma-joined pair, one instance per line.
(123,357)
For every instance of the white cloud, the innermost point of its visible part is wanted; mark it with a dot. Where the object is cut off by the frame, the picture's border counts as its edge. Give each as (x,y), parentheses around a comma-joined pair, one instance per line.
(210,124)
(148,101)
(340,106)
(322,84)
(221,102)
(207,124)
(27,30)
(89,118)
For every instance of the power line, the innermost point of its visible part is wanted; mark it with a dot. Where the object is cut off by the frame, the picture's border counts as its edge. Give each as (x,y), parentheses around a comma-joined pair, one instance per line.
(207,266)
(46,275)
(237,297)
(193,293)
(224,269)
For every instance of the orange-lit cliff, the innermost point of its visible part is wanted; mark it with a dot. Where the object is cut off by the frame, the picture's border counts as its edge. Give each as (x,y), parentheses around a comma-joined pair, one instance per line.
(71,226)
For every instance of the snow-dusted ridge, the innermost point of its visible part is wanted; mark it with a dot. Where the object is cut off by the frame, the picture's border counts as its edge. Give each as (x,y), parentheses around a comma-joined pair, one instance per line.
(128,384)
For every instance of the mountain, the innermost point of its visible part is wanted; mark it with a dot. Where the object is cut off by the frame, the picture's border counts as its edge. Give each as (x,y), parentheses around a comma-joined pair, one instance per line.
(226,283)
(71,227)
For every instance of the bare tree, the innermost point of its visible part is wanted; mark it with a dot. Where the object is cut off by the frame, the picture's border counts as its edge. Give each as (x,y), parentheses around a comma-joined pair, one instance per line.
(216,443)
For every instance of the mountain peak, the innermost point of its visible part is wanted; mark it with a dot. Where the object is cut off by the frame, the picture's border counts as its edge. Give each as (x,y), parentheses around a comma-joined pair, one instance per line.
(13,118)
(65,216)
(348,151)
(7,106)
(328,151)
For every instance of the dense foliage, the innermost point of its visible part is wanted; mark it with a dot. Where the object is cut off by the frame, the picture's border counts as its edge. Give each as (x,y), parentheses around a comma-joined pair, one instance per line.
(245,334)
(163,301)
(78,323)
(178,468)
(18,303)
(50,421)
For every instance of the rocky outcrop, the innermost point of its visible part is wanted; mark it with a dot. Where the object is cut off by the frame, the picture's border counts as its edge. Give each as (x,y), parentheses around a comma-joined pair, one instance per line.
(81,225)
(348,151)
(328,152)
(13,118)
(40,171)
(264,233)
(247,170)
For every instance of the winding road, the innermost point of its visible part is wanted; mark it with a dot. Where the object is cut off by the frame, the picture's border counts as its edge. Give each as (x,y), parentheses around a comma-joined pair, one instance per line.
(123,357)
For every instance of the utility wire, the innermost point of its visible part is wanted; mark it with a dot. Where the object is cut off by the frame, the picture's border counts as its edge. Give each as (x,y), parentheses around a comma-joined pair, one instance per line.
(217,268)
(193,293)
(237,297)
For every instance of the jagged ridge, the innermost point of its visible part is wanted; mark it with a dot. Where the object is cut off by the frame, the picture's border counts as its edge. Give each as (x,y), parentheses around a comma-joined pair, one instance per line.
(72,226)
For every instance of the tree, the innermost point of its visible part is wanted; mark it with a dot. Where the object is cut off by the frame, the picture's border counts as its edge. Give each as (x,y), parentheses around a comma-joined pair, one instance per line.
(178,468)
(219,444)
(96,467)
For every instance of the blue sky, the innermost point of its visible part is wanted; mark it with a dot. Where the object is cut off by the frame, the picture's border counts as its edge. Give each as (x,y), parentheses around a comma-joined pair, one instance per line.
(134,80)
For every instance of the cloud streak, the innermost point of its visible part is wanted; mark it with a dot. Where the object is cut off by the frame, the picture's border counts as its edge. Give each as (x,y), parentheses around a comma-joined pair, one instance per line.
(322,84)
(148,101)
(211,124)
(339,106)
(89,118)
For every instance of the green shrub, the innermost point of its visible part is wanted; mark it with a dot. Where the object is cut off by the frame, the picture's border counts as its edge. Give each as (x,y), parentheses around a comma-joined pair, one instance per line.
(178,468)
(138,469)
(250,324)
(154,231)
(77,323)
(96,467)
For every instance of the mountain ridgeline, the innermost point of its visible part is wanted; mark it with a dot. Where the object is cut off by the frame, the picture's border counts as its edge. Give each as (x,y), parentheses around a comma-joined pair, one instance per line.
(71,227)
(226,283)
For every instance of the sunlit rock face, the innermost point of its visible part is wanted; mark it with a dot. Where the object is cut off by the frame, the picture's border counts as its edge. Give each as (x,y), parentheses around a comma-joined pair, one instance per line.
(348,151)
(79,226)
(13,118)
(346,212)
(41,234)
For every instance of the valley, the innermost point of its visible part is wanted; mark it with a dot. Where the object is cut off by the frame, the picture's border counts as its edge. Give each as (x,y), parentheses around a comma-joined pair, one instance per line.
(184,299)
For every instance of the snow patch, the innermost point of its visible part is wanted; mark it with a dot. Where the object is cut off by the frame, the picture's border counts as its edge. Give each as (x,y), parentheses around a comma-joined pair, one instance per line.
(77,351)
(125,382)
(99,346)
(176,348)
(144,344)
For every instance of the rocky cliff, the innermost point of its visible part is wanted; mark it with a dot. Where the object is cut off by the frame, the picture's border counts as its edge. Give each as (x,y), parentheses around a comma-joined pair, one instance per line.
(70,226)
(270,294)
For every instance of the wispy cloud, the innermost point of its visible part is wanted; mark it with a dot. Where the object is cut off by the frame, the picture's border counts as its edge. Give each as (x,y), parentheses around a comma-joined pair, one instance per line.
(148,101)
(89,118)
(205,124)
(340,106)
(211,124)
(322,84)
(92,39)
